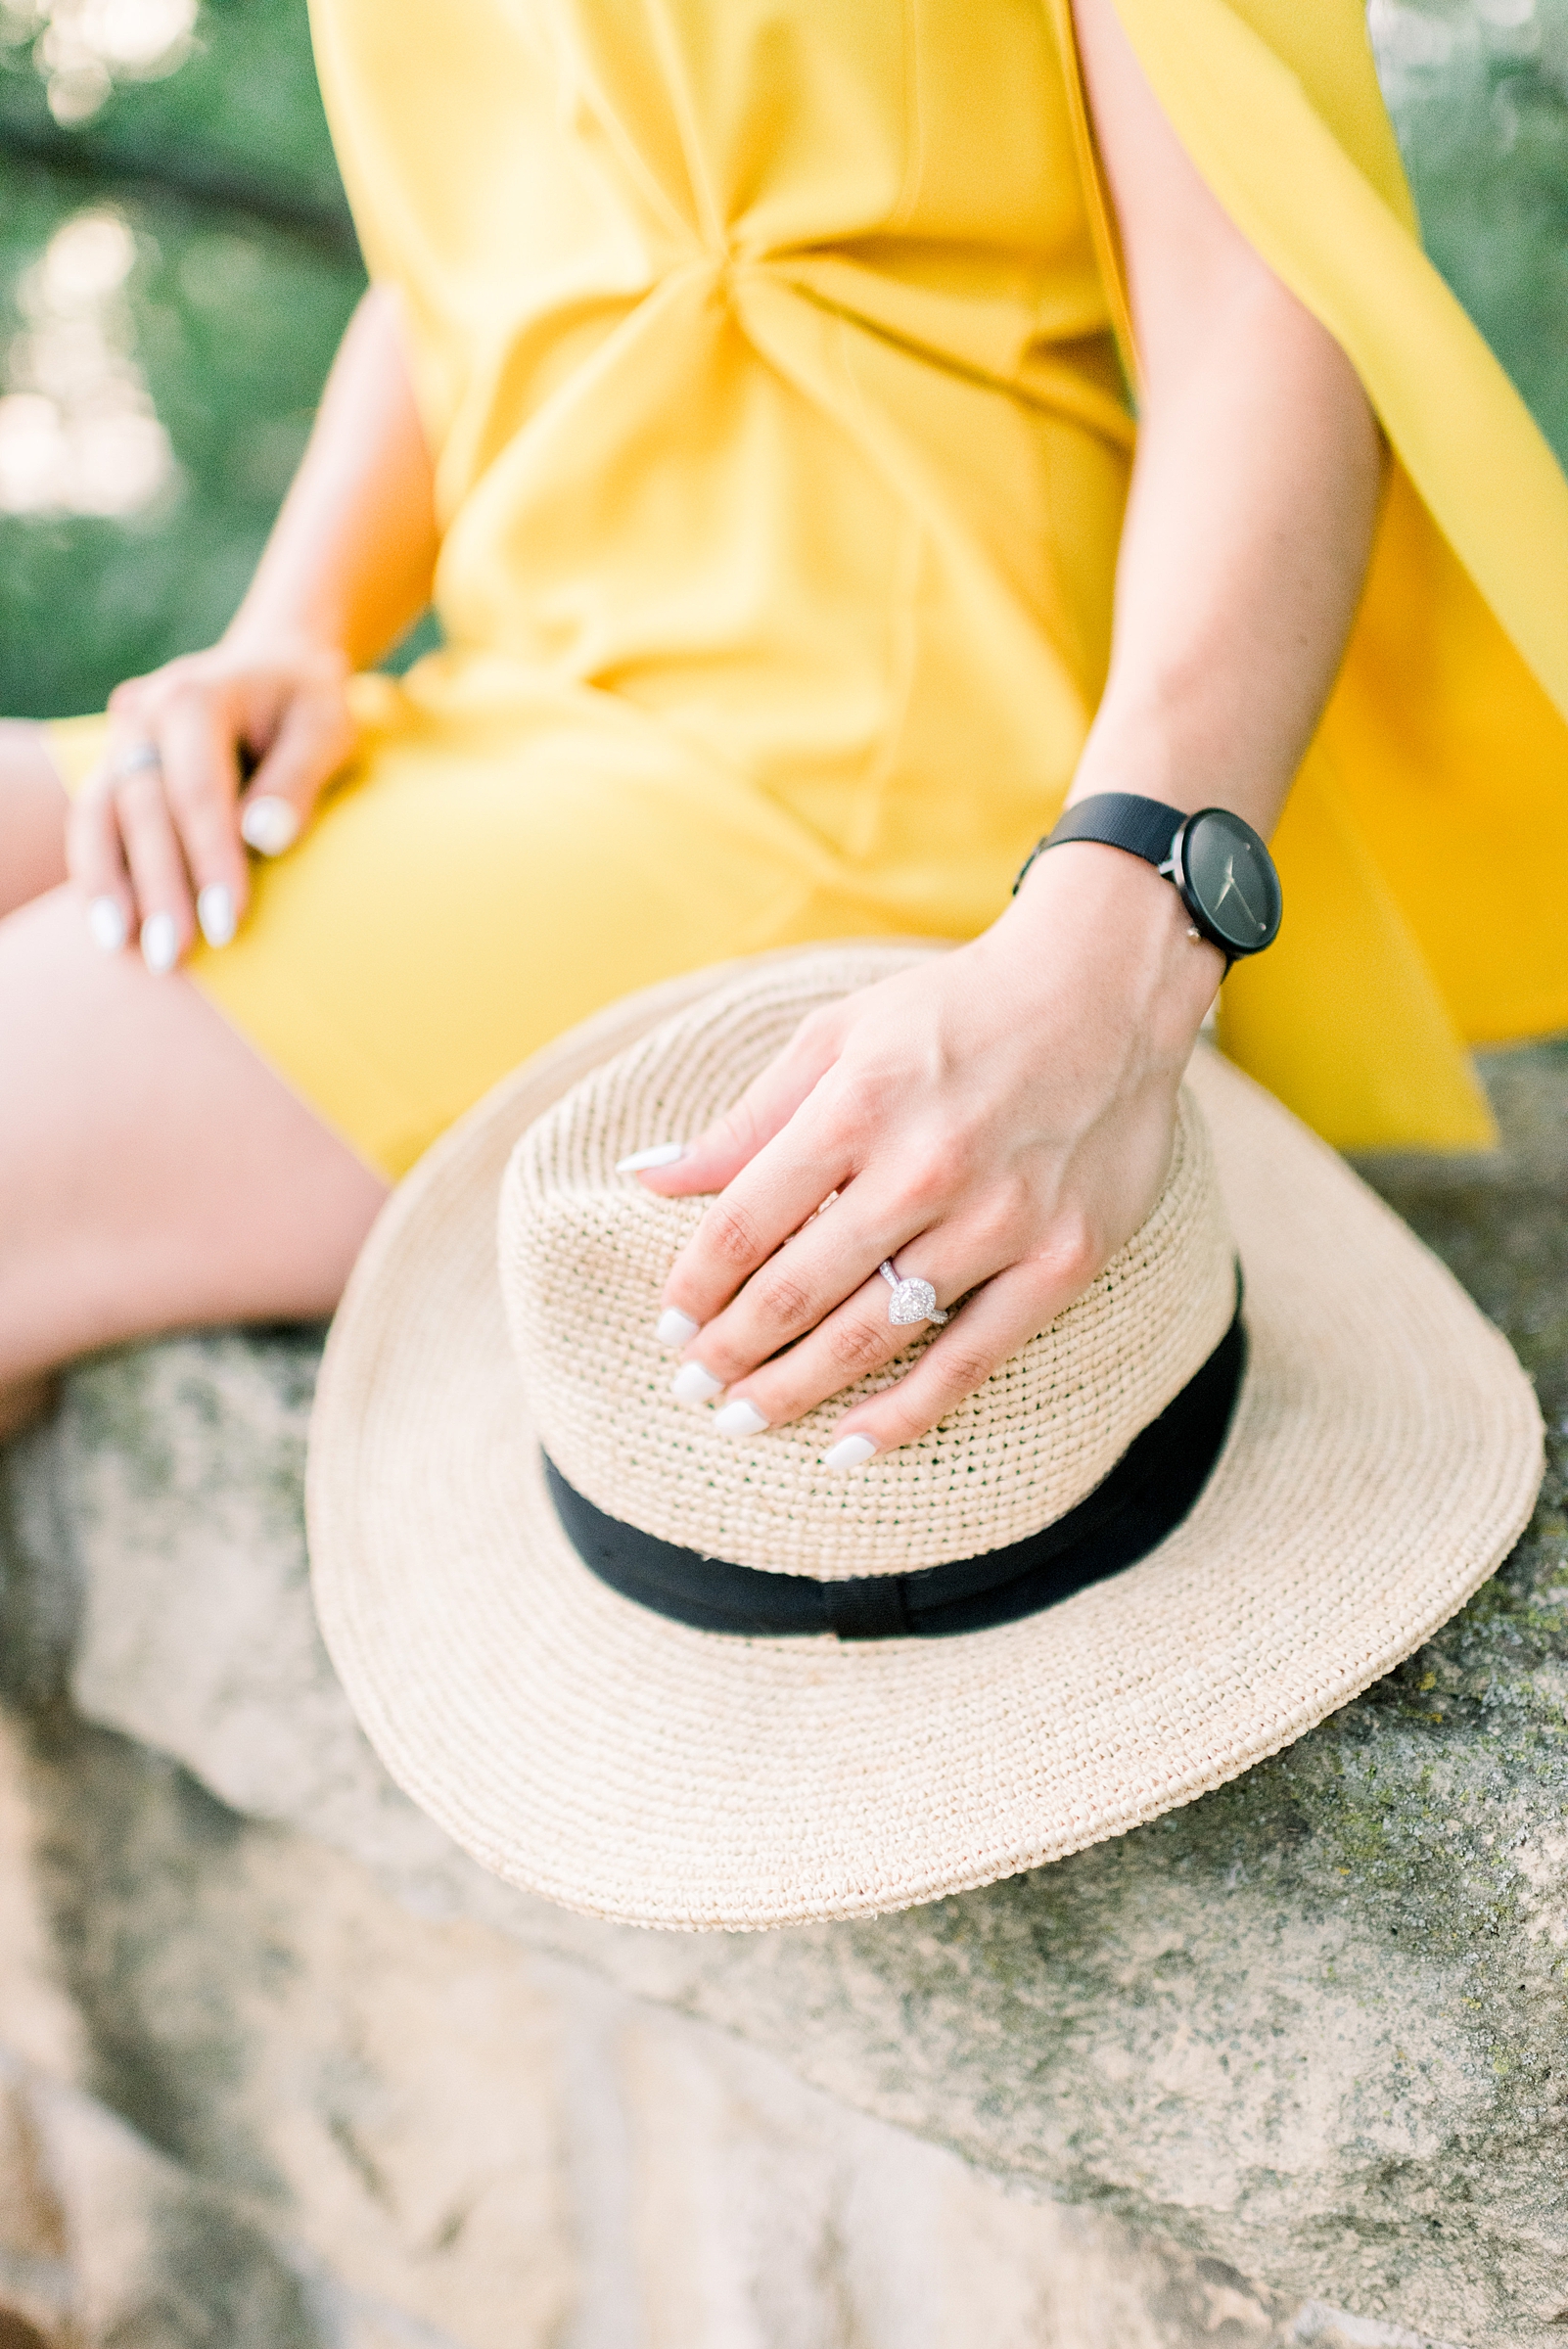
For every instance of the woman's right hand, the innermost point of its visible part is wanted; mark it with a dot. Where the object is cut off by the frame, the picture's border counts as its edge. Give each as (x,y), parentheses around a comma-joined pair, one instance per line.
(213,753)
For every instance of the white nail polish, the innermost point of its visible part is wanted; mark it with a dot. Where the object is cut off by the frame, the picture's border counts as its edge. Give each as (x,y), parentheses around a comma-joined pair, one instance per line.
(160,943)
(693,1384)
(214,911)
(268,825)
(663,1154)
(106,923)
(849,1452)
(675,1328)
(739,1419)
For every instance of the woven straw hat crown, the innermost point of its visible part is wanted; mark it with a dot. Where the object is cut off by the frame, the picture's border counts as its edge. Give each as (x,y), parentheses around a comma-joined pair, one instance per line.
(584,1254)
(1382,1453)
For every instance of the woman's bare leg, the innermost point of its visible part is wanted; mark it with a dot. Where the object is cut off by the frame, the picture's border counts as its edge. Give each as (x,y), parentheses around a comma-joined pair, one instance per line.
(32,816)
(154,1173)
(33,859)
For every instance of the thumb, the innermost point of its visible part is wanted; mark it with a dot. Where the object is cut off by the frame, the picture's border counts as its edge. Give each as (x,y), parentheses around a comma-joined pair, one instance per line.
(715,1156)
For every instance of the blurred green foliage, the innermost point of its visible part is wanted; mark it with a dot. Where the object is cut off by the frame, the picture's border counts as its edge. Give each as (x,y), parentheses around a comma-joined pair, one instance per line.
(231,324)
(195,347)
(231,113)
(1479,94)
(243,271)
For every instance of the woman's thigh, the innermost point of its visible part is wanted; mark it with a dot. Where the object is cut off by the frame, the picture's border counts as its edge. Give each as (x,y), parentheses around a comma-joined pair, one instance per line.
(32,816)
(154,1172)
(452,908)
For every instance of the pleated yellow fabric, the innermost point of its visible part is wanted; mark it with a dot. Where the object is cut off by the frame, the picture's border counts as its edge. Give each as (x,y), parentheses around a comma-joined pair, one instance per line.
(768,350)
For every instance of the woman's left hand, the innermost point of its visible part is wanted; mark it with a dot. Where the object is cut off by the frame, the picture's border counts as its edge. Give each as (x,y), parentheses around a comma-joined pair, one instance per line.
(997,1120)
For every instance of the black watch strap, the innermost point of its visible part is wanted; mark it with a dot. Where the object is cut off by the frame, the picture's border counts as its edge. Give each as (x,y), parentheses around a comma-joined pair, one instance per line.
(1118,819)
(1238,911)
(1122,820)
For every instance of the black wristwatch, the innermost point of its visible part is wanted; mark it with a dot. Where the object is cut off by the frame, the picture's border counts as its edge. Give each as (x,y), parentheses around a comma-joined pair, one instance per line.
(1225,877)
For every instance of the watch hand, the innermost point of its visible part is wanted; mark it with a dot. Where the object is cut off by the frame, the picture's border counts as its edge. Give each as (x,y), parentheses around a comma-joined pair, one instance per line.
(1232,883)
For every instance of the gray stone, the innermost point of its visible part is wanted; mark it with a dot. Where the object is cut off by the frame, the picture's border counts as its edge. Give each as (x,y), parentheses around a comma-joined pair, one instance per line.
(1308,2029)
(249,2100)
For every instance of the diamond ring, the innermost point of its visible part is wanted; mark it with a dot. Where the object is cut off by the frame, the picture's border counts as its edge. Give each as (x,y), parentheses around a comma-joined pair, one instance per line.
(912,1300)
(136,756)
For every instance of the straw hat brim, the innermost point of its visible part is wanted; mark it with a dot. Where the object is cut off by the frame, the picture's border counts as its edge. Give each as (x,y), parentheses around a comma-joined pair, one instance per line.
(1384,1455)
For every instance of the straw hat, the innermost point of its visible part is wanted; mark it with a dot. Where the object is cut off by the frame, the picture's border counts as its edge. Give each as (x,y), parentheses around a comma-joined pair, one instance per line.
(1375,1451)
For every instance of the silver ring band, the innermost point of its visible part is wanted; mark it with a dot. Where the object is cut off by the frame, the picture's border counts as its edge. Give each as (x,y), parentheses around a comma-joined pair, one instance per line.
(135,760)
(912,1300)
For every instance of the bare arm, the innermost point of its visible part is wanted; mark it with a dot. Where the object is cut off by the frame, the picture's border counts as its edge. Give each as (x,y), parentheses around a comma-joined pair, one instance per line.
(1003,1116)
(348,567)
(1254,493)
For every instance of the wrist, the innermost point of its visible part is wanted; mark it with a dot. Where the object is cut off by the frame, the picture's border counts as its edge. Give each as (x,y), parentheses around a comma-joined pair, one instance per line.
(271,635)
(1122,932)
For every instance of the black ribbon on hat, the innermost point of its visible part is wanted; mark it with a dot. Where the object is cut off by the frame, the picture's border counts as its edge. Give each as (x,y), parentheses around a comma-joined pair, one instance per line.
(1129,1512)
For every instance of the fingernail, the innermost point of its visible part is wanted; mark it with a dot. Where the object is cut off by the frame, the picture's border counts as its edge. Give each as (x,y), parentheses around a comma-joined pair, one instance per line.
(270,825)
(160,943)
(693,1384)
(849,1452)
(106,923)
(739,1419)
(214,911)
(663,1154)
(675,1328)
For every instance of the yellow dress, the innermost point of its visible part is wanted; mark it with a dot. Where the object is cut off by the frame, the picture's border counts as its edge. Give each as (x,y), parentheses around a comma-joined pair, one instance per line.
(768,352)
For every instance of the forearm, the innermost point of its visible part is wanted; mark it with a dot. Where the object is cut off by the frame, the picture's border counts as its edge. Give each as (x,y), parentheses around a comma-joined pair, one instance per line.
(1254,501)
(1255,489)
(350,561)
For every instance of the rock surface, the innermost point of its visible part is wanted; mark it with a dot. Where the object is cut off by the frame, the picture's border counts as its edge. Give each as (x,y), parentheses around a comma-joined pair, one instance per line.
(251,2101)
(1307,2030)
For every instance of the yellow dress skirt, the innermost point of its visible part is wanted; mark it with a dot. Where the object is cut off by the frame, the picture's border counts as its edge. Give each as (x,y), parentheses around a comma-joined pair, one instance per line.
(768,350)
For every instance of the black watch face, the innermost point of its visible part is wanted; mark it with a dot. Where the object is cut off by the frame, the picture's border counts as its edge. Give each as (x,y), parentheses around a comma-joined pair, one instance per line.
(1229,882)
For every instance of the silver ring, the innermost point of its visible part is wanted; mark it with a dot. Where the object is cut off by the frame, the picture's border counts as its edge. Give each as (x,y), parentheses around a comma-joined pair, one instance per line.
(912,1300)
(131,761)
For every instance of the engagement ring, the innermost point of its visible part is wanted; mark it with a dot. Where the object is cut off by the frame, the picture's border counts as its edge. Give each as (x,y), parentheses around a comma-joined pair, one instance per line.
(912,1300)
(131,761)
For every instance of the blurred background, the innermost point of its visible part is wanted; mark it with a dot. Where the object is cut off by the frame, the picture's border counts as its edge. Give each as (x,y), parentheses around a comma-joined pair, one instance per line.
(177,262)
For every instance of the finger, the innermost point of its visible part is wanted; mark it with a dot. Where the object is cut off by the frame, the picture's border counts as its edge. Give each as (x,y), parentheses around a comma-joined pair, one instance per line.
(995,1323)
(862,1334)
(747,1226)
(202,784)
(805,1285)
(856,1338)
(96,863)
(314,738)
(159,880)
(127,705)
(716,1155)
